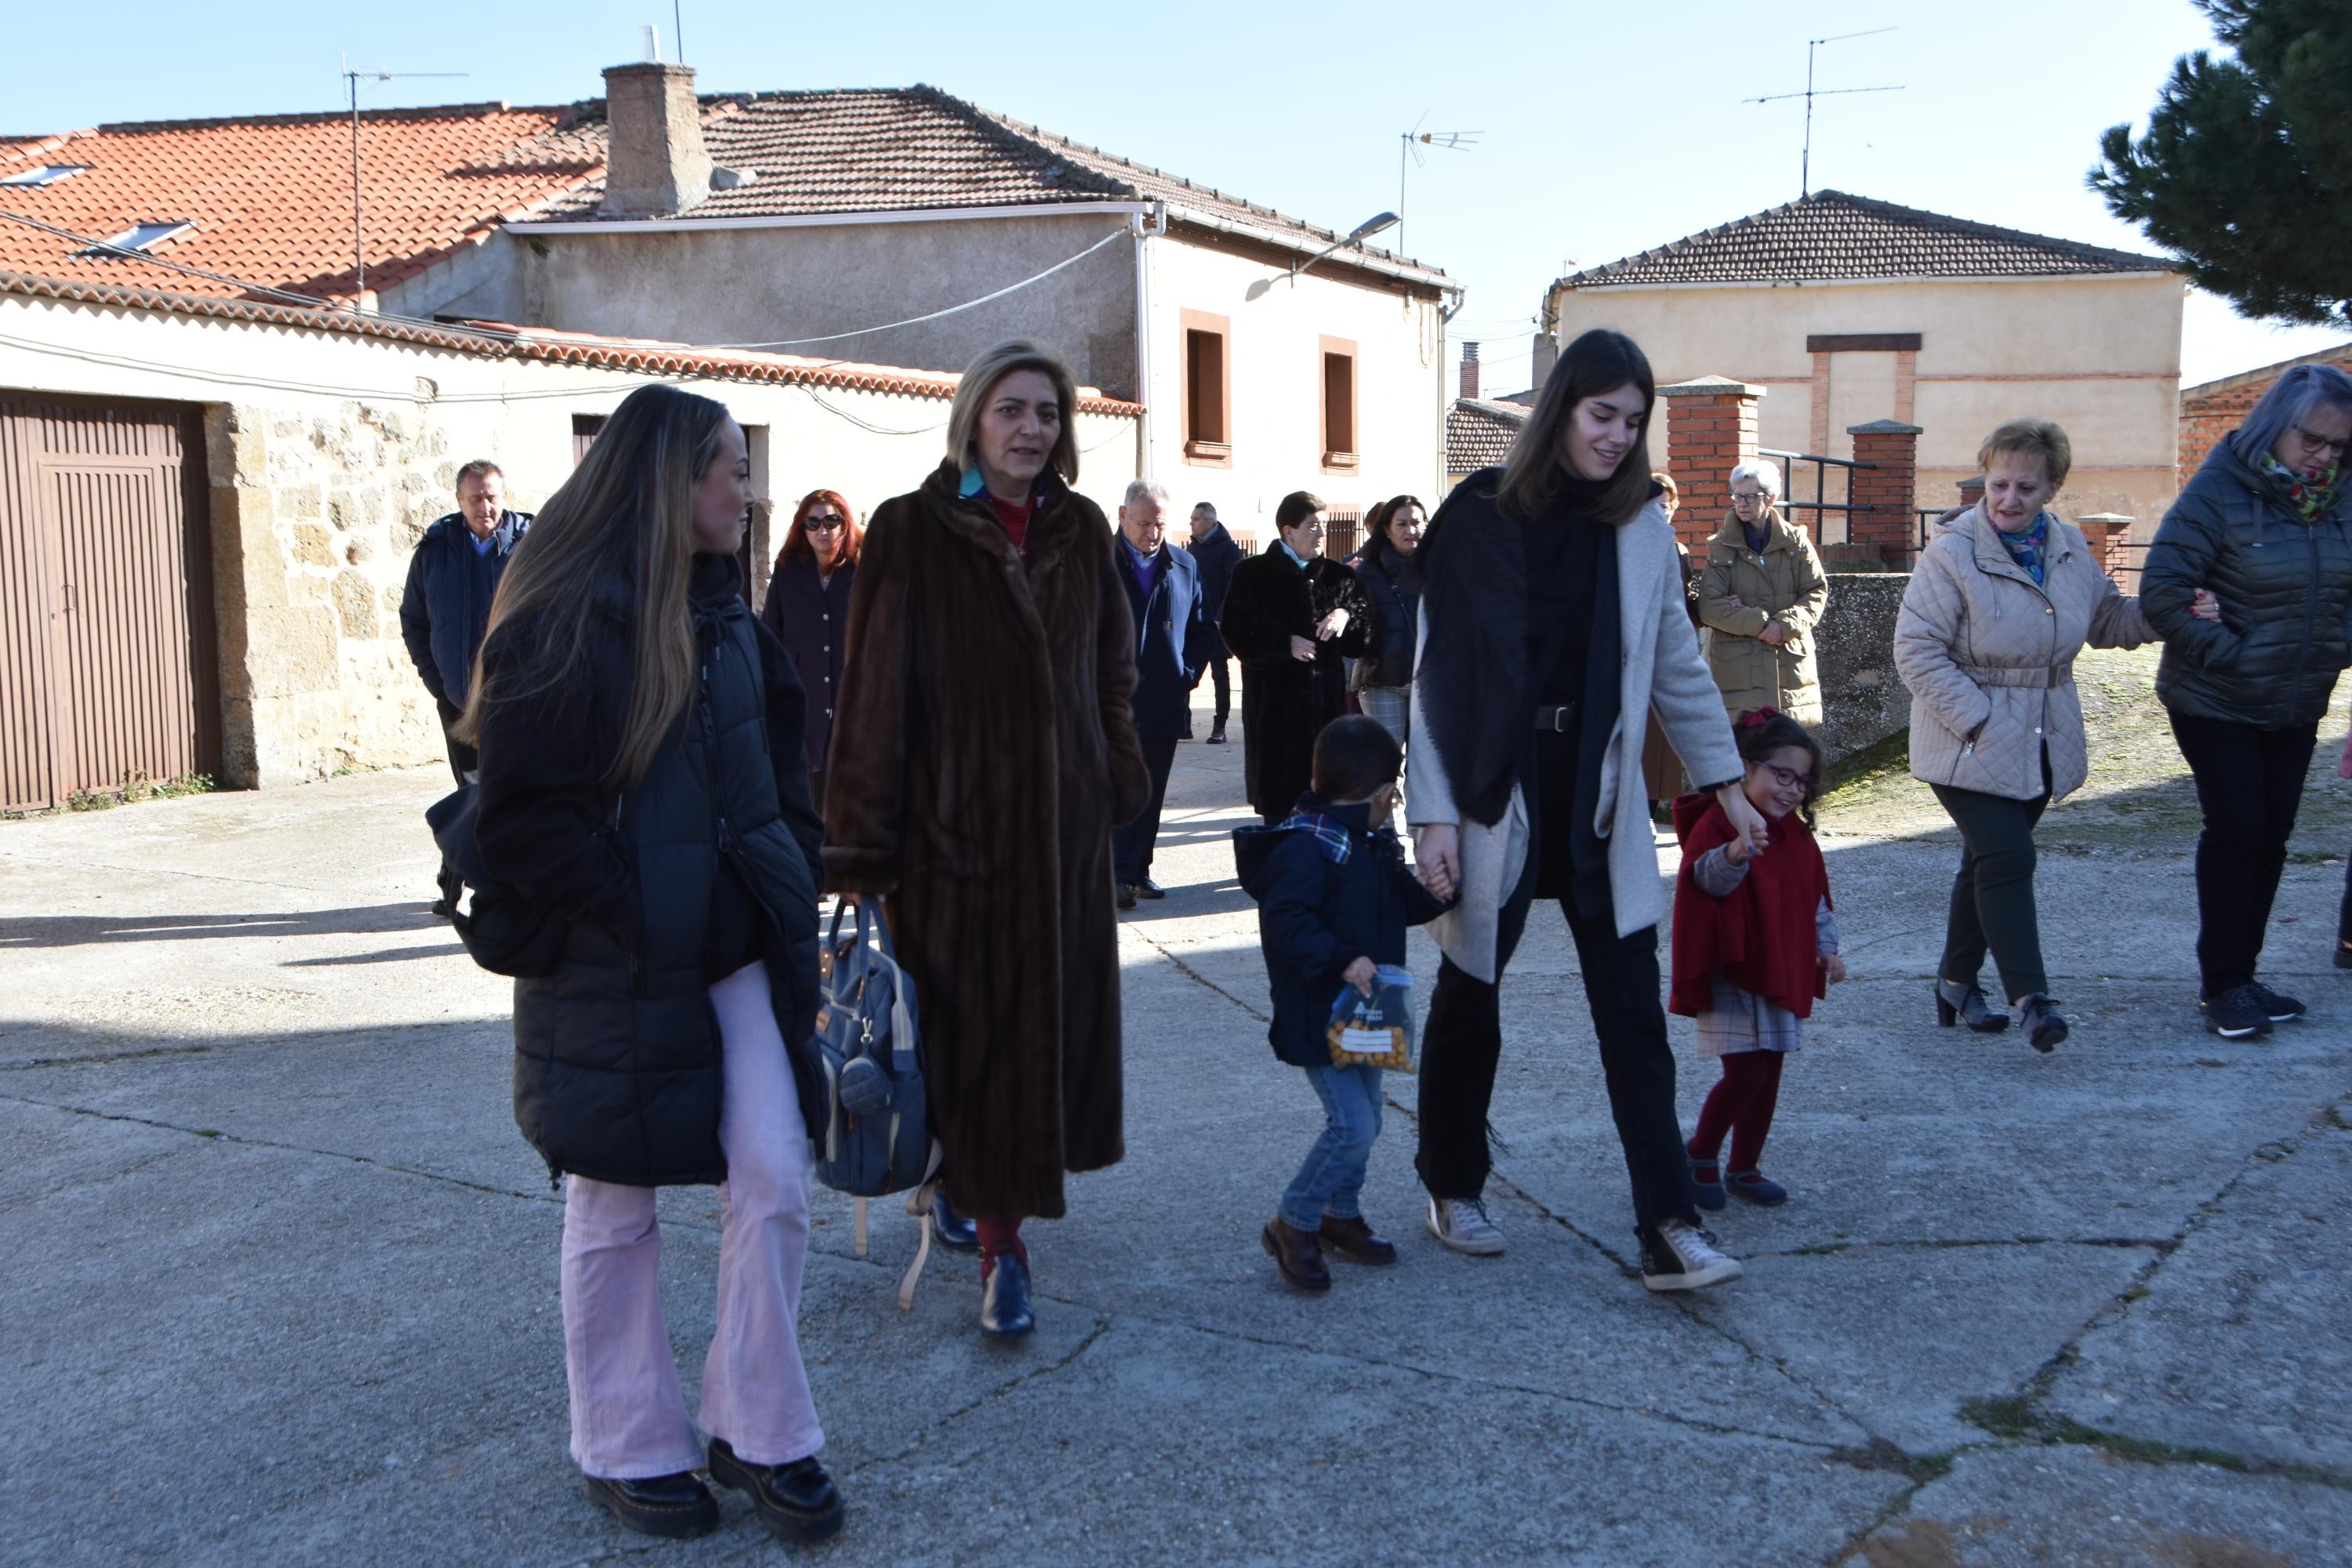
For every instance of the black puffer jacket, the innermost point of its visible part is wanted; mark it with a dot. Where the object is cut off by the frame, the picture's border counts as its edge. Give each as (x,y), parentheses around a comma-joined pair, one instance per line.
(2286,587)
(706,862)
(1393,587)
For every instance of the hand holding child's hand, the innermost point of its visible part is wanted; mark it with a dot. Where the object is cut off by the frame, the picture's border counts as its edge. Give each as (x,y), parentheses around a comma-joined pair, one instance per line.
(1362,974)
(1833,968)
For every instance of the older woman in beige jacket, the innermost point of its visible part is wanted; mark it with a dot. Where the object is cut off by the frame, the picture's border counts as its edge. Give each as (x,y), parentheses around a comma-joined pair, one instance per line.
(2001,600)
(1760,596)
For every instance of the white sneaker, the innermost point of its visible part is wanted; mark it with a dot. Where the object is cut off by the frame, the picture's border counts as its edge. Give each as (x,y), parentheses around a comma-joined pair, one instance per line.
(1462,1225)
(1678,1255)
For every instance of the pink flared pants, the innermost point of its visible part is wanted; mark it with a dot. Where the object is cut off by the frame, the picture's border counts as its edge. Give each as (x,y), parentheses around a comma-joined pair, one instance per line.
(628,1412)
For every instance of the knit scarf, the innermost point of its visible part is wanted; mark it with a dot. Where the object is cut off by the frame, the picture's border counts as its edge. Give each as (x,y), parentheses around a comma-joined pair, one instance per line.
(2307,493)
(2026,548)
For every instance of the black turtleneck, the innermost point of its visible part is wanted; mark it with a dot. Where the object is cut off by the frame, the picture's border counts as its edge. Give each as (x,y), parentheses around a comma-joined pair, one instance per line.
(1573,635)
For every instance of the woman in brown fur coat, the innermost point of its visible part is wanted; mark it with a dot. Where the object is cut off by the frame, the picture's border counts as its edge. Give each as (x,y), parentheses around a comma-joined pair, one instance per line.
(983,752)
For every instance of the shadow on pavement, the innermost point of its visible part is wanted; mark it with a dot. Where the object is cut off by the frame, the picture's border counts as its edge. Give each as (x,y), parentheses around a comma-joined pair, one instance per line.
(81,930)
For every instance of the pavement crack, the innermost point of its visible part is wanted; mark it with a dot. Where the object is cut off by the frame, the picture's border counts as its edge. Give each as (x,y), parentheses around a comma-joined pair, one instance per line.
(1197,978)
(990,1396)
(212,1135)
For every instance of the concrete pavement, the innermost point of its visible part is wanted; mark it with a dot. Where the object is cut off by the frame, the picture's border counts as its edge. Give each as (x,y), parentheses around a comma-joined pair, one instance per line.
(281,1275)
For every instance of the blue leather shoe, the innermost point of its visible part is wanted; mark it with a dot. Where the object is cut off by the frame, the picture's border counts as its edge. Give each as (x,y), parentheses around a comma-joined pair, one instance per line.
(1756,1188)
(1005,1310)
(950,1229)
(1706,1192)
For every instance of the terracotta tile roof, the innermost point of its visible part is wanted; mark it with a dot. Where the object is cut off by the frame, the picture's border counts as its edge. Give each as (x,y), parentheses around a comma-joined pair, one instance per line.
(1830,235)
(499,341)
(917,148)
(271,197)
(1478,434)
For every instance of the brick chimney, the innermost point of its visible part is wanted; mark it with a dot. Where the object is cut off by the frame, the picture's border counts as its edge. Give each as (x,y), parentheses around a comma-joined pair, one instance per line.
(1470,370)
(1546,356)
(657,167)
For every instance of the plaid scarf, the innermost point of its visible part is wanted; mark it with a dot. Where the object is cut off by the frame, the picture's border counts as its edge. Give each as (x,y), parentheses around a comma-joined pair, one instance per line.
(2026,548)
(2307,493)
(1331,835)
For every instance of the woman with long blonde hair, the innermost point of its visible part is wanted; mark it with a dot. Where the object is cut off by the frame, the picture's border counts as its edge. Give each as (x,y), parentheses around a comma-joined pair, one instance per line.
(624,703)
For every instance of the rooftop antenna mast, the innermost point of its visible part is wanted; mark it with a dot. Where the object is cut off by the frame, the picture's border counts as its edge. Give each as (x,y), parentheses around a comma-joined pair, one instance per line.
(1805,178)
(351,80)
(1412,143)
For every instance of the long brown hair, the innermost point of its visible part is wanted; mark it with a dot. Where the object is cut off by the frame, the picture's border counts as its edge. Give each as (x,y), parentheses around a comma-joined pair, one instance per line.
(796,541)
(624,516)
(1599,361)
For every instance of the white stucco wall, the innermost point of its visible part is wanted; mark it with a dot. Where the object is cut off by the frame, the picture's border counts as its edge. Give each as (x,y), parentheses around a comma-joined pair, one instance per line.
(1277,378)
(768,284)
(2100,355)
(331,452)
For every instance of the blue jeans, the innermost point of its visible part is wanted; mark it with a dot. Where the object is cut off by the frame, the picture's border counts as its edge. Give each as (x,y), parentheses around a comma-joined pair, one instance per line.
(1333,1176)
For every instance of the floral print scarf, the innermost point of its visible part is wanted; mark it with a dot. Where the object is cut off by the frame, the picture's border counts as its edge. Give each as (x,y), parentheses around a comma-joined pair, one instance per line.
(2308,494)
(2028,548)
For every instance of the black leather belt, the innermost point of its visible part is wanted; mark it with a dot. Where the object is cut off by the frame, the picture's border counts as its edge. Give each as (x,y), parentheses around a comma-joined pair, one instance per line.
(1560,720)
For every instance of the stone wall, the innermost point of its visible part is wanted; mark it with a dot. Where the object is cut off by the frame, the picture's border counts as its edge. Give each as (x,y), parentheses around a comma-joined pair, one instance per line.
(1864,700)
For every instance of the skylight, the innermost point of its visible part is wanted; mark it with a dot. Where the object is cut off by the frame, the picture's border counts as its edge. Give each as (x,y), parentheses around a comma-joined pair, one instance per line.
(43,174)
(139,237)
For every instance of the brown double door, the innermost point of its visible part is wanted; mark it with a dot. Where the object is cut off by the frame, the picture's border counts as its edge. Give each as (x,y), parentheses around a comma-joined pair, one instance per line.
(109,670)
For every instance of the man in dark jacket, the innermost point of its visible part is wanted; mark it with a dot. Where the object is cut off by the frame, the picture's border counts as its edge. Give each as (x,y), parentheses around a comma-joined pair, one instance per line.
(1216,554)
(446,607)
(1163,590)
(1294,618)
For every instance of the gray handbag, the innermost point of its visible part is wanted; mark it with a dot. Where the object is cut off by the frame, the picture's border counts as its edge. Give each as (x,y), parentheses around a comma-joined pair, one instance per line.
(868,1043)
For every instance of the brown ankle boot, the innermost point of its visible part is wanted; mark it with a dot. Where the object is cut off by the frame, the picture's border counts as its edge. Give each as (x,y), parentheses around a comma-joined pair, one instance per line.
(1297,1254)
(1353,1240)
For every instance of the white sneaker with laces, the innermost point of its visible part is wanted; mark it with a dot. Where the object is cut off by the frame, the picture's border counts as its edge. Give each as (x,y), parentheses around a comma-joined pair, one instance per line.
(1678,1255)
(1461,1226)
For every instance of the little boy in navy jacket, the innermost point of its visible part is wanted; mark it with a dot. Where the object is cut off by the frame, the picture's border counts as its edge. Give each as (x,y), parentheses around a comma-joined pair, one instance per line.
(1334,899)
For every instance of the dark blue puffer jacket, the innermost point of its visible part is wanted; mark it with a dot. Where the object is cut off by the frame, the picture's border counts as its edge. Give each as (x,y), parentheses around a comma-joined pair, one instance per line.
(2286,587)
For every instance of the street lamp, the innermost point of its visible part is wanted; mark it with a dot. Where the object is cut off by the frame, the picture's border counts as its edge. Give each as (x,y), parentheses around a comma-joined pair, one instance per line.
(1357,235)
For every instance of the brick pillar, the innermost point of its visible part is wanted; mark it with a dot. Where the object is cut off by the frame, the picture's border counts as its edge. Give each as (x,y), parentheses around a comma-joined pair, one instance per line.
(1710,430)
(2107,533)
(1882,520)
(1972,490)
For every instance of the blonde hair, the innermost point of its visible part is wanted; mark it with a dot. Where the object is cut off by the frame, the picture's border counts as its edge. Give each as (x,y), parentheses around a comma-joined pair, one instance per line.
(626,515)
(979,379)
(2036,439)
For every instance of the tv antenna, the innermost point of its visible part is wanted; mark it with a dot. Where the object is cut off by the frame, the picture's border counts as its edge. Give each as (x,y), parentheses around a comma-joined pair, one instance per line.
(351,80)
(1411,144)
(1805,179)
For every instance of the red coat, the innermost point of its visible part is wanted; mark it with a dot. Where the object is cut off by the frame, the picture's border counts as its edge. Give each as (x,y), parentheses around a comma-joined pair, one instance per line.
(1763,936)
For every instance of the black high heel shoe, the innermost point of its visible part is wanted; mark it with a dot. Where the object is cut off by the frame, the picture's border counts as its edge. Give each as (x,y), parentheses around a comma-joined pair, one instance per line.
(1957,1003)
(2044,1025)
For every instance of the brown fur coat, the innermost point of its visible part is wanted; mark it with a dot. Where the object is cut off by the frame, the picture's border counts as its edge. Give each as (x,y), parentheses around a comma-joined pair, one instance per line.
(982,751)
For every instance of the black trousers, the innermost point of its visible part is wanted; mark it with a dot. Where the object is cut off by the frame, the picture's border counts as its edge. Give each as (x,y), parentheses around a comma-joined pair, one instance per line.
(1464,1040)
(2248,786)
(1220,675)
(1132,846)
(1992,893)
(464,761)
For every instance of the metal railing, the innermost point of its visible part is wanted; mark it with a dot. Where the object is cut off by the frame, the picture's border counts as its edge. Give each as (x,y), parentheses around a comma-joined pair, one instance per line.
(1821,507)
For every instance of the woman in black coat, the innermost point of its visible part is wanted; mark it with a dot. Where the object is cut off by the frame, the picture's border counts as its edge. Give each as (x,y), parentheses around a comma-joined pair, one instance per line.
(1294,617)
(1392,587)
(807,607)
(642,782)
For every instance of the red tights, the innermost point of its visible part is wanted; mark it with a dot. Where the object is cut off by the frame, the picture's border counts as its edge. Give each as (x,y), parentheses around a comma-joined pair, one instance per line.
(1741,1105)
(997,1237)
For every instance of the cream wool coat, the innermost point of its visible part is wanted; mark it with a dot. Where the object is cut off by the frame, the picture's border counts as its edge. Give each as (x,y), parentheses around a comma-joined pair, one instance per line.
(1990,657)
(1662,673)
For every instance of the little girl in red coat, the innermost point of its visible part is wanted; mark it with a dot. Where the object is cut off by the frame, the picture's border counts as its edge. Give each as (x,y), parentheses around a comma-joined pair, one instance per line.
(1756,943)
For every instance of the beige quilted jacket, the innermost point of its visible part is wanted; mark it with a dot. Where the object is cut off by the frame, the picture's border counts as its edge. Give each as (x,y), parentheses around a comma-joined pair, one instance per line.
(1990,657)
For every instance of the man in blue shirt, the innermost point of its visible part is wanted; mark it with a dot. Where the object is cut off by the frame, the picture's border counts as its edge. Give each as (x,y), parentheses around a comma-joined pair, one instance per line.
(1172,631)
(445,608)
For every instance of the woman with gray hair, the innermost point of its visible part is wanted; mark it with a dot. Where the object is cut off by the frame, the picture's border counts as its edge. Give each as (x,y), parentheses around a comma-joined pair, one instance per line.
(1760,593)
(2267,525)
(984,749)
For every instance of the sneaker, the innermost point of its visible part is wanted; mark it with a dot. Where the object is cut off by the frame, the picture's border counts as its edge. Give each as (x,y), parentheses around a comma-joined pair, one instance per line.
(2237,1013)
(2277,1008)
(1678,1255)
(1461,1224)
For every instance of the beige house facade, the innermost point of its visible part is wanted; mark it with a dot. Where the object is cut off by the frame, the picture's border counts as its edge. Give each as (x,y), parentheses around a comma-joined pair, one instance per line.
(212,503)
(1847,310)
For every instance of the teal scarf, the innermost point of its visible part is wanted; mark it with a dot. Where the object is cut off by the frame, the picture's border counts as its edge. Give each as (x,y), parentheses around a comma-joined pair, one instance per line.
(2028,548)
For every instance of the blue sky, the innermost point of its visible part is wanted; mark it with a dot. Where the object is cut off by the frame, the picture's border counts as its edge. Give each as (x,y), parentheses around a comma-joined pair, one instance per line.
(1606,129)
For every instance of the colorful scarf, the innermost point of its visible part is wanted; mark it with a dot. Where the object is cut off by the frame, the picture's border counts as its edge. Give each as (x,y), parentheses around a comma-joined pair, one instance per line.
(2308,494)
(2027,548)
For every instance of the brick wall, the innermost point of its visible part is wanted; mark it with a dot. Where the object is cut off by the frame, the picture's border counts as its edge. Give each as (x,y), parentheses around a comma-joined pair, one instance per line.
(2212,411)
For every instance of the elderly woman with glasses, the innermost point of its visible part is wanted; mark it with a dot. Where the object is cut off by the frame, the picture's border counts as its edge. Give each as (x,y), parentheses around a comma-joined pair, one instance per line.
(807,607)
(2267,525)
(1760,593)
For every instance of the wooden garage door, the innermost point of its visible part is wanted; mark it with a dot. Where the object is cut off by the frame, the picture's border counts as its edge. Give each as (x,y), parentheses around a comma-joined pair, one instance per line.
(107,665)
